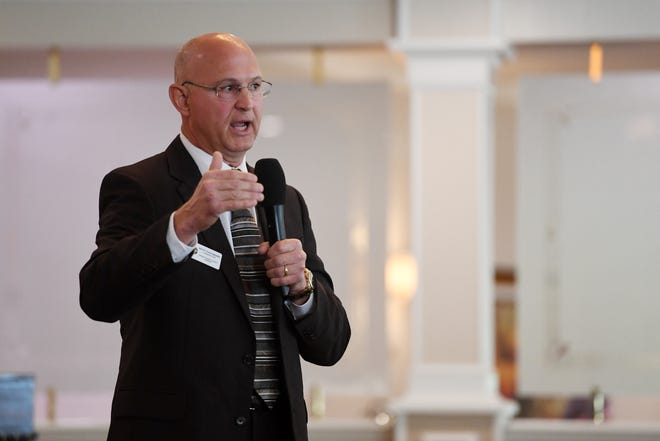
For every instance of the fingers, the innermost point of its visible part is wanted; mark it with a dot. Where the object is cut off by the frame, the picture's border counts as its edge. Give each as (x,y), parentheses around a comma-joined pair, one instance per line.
(218,191)
(285,263)
(228,190)
(231,189)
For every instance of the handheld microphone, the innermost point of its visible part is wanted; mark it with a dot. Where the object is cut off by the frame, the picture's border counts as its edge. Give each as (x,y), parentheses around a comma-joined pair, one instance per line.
(269,172)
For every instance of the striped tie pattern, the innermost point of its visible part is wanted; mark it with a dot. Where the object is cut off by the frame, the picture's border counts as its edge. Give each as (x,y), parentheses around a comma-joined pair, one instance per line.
(247,237)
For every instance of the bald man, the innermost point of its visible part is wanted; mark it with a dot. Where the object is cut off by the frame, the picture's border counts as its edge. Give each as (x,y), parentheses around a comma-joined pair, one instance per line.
(208,351)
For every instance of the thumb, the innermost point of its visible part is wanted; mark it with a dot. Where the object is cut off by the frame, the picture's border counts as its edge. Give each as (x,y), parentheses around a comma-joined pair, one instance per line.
(216,161)
(263,248)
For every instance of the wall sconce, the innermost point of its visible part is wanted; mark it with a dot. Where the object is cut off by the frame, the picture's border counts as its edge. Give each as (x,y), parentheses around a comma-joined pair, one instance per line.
(54,69)
(401,276)
(318,65)
(595,62)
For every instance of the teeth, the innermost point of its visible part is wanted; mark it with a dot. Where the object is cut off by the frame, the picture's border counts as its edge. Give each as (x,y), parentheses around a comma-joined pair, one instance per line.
(241,125)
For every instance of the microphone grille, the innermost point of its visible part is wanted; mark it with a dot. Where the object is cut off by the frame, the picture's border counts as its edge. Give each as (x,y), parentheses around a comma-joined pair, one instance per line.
(269,172)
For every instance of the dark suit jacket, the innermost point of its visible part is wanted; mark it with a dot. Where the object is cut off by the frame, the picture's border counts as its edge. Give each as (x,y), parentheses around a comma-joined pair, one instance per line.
(186,368)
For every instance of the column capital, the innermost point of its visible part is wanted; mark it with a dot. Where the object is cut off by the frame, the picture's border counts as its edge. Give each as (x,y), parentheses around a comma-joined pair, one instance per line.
(493,48)
(450,62)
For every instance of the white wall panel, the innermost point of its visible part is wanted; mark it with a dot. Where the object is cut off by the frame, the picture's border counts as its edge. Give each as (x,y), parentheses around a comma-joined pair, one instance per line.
(588,241)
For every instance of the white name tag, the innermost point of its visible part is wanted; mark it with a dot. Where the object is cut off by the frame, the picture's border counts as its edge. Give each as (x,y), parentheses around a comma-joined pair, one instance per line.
(207,256)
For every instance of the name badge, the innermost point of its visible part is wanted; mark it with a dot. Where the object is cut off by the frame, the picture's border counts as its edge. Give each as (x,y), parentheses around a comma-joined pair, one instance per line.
(207,256)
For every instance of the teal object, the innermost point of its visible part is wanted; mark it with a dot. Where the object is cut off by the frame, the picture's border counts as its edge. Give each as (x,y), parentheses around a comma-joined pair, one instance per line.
(17,406)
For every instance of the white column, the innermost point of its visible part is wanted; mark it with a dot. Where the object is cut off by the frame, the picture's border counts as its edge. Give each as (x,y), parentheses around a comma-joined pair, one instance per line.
(451,220)
(452,380)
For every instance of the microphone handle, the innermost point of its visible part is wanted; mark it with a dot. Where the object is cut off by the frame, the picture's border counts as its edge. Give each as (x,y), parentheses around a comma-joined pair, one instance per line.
(275,219)
(276,230)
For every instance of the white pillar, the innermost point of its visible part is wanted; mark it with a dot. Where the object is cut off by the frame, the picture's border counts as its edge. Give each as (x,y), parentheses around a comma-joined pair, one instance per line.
(452,381)
(451,185)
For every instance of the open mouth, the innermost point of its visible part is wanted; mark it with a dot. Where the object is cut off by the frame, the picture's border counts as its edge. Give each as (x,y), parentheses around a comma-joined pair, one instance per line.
(240,125)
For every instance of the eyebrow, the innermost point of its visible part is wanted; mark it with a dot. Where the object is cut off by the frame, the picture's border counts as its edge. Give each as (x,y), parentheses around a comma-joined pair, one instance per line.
(236,81)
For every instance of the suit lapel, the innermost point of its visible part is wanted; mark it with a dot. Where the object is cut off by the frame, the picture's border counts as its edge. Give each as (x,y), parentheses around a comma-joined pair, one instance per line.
(183,169)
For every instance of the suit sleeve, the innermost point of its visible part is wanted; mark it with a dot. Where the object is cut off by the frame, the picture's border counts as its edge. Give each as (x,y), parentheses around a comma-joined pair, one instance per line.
(132,258)
(324,333)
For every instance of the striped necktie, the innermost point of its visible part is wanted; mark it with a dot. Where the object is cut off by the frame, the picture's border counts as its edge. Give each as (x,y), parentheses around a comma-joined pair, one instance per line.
(247,237)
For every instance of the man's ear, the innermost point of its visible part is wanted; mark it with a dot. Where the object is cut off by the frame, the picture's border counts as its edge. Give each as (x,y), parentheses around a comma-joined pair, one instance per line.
(179,98)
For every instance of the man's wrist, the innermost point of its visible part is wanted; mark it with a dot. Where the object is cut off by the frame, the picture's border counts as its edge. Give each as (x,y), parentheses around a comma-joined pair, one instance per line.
(179,250)
(306,291)
(183,232)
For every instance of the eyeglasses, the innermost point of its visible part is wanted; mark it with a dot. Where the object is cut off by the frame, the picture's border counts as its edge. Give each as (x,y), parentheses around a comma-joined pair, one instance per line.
(230,92)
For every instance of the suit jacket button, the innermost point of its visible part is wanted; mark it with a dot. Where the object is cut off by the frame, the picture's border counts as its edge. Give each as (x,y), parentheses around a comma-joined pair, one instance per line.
(240,421)
(248,360)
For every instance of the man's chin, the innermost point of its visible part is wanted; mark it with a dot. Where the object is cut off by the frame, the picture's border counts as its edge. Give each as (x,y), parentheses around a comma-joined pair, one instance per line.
(240,149)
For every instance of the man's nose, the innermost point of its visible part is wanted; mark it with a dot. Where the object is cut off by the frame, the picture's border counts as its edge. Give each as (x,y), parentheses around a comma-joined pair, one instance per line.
(244,99)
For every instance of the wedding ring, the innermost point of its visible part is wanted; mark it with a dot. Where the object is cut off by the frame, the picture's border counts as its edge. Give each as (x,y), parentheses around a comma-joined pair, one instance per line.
(286,271)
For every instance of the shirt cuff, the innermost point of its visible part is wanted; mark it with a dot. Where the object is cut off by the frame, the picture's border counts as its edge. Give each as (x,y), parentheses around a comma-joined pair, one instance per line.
(300,311)
(178,249)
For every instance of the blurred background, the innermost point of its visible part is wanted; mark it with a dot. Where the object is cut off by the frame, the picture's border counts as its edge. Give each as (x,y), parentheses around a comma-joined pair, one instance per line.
(481,177)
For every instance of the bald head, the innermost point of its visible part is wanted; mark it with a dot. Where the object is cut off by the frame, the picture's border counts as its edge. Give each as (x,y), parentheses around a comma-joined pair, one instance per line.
(199,52)
(210,121)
